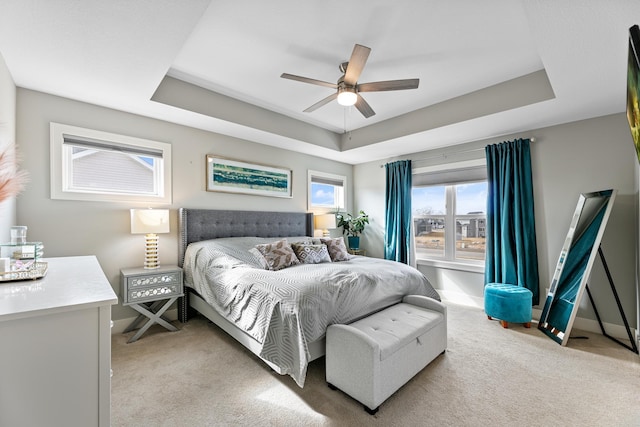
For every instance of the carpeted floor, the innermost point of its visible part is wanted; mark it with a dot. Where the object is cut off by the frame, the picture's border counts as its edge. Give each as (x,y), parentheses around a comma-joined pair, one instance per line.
(489,376)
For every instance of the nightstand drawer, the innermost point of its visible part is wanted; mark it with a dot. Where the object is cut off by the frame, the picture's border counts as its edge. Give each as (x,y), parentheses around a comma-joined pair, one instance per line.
(357,252)
(154,279)
(152,293)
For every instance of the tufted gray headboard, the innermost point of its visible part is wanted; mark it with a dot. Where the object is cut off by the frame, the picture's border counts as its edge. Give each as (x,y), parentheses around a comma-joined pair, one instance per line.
(195,225)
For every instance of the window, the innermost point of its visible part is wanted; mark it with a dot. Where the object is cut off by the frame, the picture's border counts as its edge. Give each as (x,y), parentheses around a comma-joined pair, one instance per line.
(326,191)
(449,218)
(99,166)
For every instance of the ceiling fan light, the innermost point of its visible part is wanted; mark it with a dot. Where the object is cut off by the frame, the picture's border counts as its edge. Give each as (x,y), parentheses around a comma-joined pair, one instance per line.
(347,97)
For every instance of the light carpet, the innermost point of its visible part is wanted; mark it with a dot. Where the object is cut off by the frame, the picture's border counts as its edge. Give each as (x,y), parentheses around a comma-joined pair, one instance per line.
(489,376)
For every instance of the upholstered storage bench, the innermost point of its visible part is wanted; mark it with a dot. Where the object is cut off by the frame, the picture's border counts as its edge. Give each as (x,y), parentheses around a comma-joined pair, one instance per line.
(373,357)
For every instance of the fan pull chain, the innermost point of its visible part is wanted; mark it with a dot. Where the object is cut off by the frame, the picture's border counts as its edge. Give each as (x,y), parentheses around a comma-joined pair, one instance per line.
(345,122)
(344,118)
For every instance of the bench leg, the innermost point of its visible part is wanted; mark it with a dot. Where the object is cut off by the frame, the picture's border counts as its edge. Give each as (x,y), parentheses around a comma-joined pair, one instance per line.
(506,325)
(366,408)
(371,411)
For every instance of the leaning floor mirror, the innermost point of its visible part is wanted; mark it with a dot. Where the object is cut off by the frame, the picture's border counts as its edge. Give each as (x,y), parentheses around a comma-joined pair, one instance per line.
(574,264)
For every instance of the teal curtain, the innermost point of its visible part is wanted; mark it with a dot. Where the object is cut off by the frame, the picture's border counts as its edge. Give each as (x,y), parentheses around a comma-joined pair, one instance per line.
(397,236)
(511,253)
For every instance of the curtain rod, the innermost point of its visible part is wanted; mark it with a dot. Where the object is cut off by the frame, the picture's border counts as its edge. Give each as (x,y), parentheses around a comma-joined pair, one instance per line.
(444,155)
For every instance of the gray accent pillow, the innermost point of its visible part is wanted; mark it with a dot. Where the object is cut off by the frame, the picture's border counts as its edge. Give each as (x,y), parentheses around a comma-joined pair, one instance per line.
(311,254)
(278,255)
(337,249)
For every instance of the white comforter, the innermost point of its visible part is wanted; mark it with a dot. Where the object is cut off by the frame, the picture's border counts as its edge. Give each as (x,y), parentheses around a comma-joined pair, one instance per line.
(286,309)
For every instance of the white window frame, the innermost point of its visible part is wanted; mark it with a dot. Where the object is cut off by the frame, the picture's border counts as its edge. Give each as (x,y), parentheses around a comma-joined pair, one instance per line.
(449,261)
(331,177)
(60,166)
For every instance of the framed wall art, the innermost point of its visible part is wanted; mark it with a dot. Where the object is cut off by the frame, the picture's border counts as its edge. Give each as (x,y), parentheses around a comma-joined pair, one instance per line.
(233,176)
(633,86)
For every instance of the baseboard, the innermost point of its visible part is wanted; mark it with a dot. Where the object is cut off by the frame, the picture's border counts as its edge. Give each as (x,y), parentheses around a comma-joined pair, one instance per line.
(589,325)
(460,298)
(121,324)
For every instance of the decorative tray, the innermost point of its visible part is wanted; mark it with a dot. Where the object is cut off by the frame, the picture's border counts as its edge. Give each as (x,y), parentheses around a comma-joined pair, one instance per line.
(27,271)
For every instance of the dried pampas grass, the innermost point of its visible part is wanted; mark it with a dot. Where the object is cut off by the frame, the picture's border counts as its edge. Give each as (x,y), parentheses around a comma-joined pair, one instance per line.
(12,179)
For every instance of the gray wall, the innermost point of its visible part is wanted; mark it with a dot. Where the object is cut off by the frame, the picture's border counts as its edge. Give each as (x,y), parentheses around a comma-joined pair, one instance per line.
(7,137)
(567,160)
(70,228)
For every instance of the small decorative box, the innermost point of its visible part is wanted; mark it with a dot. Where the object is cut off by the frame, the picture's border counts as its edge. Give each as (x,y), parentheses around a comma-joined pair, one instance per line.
(21,261)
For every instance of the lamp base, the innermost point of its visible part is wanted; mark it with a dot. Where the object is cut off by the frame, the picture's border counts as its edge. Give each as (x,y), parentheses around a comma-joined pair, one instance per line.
(151,251)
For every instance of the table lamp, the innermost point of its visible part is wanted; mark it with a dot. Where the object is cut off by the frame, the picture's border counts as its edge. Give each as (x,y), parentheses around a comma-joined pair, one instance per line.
(324,223)
(150,222)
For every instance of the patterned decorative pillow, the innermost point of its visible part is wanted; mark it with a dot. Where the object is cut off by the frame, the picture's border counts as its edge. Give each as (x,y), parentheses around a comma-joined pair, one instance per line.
(311,254)
(278,255)
(337,249)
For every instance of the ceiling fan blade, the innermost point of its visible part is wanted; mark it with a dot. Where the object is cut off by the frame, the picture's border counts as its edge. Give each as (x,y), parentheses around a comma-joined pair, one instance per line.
(364,108)
(308,80)
(356,64)
(319,104)
(389,85)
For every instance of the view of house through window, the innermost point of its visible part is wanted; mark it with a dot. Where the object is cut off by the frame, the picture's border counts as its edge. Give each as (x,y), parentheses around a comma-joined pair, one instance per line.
(93,165)
(105,171)
(450,221)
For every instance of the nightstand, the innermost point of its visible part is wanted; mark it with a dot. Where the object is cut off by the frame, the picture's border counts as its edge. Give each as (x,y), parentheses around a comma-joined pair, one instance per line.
(357,252)
(150,292)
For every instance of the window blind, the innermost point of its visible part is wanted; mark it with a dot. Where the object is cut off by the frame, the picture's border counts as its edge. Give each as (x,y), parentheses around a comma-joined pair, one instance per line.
(328,181)
(96,144)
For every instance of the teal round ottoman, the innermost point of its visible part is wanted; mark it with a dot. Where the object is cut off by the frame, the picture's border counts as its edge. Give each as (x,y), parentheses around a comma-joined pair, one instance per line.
(508,303)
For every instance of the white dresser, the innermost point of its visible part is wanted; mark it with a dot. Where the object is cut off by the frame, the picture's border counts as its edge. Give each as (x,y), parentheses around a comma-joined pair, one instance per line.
(55,347)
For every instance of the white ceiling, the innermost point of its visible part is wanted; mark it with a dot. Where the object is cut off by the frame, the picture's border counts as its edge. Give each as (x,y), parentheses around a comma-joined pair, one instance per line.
(118,53)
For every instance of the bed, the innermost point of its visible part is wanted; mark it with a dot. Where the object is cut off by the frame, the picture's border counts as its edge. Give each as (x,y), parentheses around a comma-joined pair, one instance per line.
(280,316)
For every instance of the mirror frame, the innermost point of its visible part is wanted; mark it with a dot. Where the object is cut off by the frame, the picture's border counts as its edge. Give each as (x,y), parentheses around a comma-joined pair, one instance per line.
(553,331)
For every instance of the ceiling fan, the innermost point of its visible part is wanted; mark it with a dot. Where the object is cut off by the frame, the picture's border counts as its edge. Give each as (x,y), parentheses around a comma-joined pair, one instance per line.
(348,89)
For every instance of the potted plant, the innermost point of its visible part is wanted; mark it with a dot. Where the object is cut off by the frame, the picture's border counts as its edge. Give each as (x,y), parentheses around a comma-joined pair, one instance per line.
(352,226)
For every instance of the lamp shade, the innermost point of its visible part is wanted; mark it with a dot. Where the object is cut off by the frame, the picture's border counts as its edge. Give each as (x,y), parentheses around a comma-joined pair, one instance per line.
(324,222)
(149,221)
